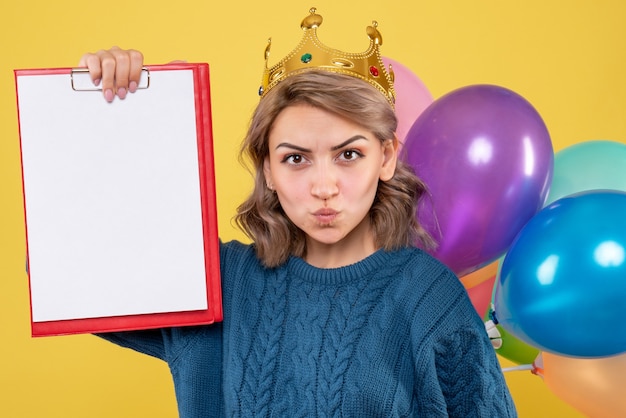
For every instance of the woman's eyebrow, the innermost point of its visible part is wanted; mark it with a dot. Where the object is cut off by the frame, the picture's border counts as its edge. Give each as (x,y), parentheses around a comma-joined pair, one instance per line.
(348,142)
(335,148)
(292,146)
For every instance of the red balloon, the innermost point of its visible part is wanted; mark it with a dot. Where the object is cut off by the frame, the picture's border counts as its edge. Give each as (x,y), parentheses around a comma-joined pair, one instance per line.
(479,285)
(480,295)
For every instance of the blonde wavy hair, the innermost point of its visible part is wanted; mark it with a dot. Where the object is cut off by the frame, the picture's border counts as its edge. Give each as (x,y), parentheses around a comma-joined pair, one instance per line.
(393,213)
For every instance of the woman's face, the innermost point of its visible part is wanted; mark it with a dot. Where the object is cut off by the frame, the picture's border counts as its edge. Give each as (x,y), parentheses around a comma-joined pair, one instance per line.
(325,172)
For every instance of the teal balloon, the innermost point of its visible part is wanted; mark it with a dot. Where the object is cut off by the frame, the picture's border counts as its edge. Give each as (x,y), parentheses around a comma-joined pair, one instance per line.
(589,165)
(562,286)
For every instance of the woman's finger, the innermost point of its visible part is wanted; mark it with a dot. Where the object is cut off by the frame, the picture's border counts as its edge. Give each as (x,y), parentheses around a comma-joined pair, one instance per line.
(136,66)
(92,63)
(108,65)
(122,71)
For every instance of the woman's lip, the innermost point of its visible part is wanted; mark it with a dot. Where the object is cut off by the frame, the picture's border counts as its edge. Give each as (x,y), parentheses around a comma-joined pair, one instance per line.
(325,215)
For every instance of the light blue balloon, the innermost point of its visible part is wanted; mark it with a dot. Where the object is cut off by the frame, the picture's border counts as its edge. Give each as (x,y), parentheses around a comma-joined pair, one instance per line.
(589,165)
(562,286)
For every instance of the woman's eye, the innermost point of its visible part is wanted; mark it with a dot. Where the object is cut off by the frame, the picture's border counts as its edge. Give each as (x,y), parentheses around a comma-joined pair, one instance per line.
(349,155)
(293,159)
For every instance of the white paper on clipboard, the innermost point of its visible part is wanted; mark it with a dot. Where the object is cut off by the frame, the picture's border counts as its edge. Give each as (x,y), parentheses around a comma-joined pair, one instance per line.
(112,198)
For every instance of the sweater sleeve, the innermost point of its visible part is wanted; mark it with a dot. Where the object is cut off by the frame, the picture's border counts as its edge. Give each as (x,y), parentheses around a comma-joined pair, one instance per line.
(460,370)
(147,342)
(470,377)
(163,343)
(194,356)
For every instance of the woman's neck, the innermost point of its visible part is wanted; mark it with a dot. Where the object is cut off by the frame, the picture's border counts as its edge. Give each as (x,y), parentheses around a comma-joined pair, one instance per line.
(351,249)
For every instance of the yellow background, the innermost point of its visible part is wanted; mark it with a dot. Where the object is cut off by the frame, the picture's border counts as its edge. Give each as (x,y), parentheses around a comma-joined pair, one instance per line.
(567,58)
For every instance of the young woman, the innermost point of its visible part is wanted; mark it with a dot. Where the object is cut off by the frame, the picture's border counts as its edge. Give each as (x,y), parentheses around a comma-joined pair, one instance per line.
(332,310)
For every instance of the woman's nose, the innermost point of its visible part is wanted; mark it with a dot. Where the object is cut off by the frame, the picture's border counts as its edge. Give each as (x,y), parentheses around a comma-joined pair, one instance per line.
(324,182)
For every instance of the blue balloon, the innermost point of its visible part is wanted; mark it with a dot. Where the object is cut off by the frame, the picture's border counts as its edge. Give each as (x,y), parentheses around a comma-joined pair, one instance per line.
(562,286)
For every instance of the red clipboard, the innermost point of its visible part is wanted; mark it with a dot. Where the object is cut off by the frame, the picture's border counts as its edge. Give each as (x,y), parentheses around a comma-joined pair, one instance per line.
(119,201)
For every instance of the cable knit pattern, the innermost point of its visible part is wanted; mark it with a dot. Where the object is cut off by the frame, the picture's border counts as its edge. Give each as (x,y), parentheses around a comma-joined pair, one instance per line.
(393,335)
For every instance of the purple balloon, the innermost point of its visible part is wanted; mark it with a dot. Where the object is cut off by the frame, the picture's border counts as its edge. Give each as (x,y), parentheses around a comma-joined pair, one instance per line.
(486,156)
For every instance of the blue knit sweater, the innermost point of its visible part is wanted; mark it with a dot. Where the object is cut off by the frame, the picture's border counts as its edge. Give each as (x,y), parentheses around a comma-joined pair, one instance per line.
(394,335)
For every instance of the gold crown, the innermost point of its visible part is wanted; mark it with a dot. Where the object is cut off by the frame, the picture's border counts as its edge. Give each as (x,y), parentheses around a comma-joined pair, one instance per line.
(312,54)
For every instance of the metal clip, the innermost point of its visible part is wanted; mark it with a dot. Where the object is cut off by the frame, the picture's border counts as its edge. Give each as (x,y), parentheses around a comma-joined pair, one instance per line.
(81,81)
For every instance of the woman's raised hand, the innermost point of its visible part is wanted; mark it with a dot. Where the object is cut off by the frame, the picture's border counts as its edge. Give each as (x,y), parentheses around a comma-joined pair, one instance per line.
(117,70)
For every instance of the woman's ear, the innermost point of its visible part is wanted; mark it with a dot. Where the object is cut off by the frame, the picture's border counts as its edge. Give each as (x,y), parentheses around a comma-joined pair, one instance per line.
(390,159)
(267,173)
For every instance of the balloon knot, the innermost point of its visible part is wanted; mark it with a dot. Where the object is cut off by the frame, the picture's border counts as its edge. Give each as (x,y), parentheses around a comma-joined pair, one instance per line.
(492,315)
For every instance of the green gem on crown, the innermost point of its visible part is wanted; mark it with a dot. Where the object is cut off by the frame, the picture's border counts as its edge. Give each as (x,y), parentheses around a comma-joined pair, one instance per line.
(306,58)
